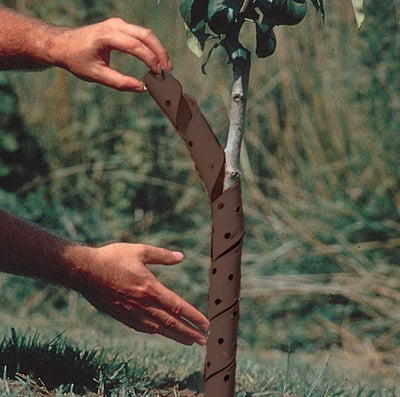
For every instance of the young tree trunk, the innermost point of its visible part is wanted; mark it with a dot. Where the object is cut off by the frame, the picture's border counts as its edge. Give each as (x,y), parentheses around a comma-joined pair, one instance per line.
(221,177)
(225,269)
(241,73)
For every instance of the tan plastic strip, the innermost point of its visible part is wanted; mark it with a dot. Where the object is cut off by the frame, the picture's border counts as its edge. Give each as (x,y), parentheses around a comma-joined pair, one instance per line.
(222,384)
(222,276)
(185,116)
(227,217)
(227,230)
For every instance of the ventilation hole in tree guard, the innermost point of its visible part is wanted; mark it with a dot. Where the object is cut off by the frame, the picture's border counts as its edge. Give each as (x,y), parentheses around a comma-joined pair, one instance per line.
(220,206)
(238,210)
(208,364)
(234,313)
(227,235)
(217,301)
(226,378)
(211,166)
(221,341)
(190,143)
(167,103)
(231,276)
(213,271)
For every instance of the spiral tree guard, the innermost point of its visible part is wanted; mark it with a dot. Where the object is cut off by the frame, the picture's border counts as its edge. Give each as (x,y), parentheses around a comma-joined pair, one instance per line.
(226,234)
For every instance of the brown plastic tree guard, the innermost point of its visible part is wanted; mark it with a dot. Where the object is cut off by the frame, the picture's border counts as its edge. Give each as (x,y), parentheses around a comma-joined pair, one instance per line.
(227,230)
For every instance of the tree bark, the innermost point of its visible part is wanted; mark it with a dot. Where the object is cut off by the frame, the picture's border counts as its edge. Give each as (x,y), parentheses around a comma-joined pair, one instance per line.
(241,72)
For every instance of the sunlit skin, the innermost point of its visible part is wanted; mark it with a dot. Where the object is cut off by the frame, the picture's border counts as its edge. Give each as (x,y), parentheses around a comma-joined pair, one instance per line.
(28,43)
(115,277)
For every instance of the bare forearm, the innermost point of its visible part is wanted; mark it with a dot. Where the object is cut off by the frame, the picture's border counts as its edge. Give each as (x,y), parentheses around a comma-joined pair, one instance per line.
(30,251)
(114,278)
(28,43)
(25,42)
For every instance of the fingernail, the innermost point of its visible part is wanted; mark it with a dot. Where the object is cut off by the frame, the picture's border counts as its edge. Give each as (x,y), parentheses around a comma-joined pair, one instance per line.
(202,341)
(159,68)
(169,65)
(178,255)
(206,326)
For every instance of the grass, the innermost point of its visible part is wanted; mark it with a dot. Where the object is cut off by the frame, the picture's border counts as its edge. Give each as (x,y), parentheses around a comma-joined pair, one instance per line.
(59,366)
(57,362)
(96,362)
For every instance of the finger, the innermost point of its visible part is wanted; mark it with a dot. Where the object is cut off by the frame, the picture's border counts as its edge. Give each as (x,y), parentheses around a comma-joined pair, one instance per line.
(177,328)
(151,41)
(172,302)
(158,256)
(177,306)
(135,47)
(114,79)
(155,321)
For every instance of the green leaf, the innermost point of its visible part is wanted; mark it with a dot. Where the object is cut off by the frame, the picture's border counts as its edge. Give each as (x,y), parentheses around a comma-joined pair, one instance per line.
(358,6)
(283,12)
(194,43)
(194,13)
(266,41)
(221,14)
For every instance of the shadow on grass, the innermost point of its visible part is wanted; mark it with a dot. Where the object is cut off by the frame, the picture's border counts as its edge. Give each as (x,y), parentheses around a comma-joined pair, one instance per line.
(58,363)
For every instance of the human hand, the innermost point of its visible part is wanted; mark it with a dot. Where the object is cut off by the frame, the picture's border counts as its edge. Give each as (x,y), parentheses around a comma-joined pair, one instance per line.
(117,281)
(86,52)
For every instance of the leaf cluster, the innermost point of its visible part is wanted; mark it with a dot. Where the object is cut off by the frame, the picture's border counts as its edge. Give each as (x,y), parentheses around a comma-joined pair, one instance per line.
(223,20)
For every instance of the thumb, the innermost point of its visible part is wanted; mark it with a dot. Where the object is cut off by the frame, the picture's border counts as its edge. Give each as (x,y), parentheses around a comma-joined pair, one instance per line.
(162,256)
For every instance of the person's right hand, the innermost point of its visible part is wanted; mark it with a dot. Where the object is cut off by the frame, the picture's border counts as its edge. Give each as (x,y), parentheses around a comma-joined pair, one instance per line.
(85,52)
(116,280)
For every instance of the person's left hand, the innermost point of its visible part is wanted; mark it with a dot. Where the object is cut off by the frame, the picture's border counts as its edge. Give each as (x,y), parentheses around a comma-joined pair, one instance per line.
(116,280)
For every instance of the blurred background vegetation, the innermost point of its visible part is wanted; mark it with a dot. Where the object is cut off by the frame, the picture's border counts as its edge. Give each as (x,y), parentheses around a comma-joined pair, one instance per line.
(320,164)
